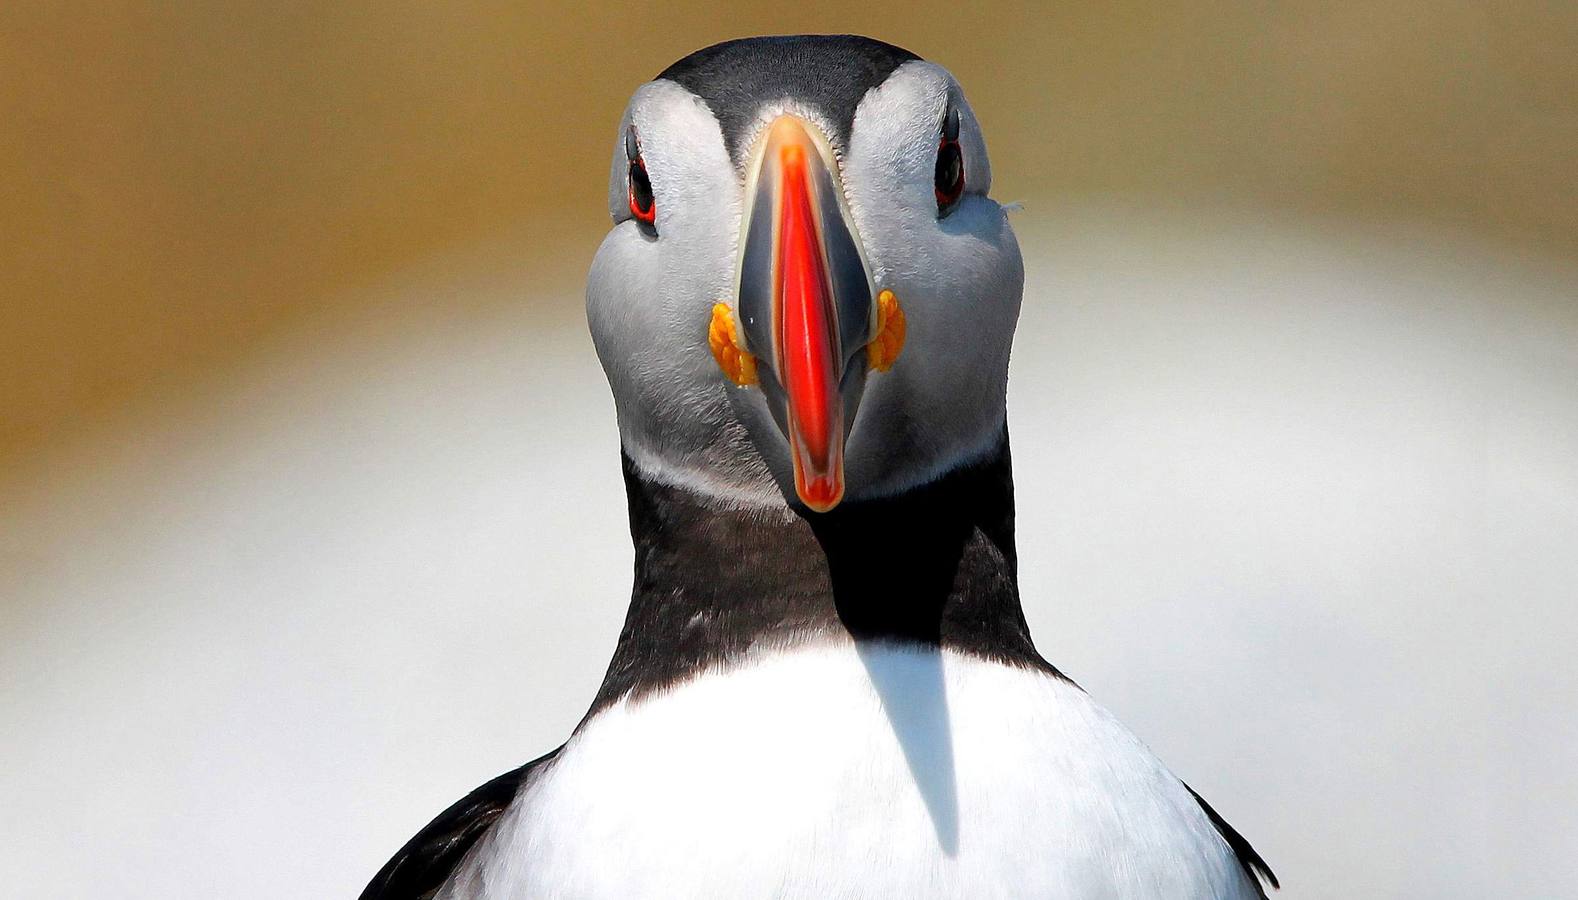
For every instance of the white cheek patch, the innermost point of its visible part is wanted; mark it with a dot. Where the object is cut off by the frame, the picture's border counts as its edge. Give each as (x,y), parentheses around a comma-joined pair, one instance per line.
(649,301)
(890,164)
(960,278)
(686,161)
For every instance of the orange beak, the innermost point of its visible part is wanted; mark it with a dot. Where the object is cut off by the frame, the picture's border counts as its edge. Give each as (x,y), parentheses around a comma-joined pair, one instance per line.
(806,302)
(808,340)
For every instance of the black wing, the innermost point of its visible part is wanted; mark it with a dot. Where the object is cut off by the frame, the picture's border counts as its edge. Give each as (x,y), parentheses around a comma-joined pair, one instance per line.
(1254,866)
(425,862)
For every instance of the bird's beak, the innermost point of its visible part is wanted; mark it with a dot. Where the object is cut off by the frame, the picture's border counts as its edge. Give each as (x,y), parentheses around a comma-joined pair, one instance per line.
(805,301)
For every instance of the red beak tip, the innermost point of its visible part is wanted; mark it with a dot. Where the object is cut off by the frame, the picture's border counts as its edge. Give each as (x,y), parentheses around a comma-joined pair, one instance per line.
(820,494)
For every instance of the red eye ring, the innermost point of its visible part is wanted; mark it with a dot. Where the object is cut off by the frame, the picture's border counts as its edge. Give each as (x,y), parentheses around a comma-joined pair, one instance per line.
(643,205)
(948,182)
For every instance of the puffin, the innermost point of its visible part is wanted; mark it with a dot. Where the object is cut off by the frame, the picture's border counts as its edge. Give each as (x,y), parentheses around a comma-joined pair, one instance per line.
(825,685)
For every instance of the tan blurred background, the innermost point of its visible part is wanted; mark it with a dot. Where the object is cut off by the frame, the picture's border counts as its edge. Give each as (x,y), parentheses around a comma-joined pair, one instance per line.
(309,514)
(184,179)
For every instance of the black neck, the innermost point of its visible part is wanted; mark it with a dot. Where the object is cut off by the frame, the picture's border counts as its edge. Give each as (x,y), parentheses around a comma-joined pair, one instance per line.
(934,566)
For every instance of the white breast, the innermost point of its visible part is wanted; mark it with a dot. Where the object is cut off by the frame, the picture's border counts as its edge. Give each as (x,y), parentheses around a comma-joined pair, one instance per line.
(836,772)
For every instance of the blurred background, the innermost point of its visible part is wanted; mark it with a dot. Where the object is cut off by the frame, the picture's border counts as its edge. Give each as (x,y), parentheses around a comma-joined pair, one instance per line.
(310,514)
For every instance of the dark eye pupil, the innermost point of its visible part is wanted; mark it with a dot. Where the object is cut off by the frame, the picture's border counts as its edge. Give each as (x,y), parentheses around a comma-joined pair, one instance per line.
(641,192)
(950,174)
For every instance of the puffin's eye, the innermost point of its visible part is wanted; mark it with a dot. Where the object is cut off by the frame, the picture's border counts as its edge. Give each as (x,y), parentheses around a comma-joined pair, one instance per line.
(948,181)
(642,205)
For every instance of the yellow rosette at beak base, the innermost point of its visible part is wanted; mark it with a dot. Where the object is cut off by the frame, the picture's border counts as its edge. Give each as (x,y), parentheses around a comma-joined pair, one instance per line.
(884,349)
(724,339)
(737,363)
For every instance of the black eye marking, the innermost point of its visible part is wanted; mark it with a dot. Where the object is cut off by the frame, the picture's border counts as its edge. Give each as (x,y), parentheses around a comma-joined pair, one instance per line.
(948,180)
(643,206)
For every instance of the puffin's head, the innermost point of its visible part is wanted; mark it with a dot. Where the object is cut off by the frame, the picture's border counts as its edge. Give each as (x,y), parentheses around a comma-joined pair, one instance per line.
(807,294)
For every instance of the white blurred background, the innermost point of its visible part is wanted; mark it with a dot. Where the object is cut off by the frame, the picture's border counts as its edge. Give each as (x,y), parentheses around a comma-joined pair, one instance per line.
(310,514)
